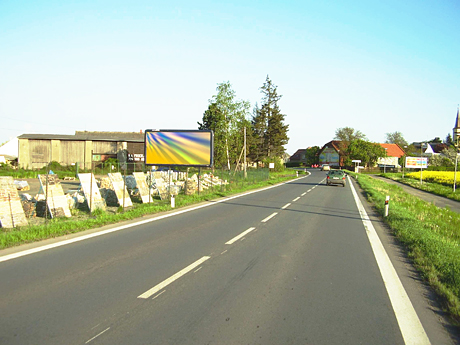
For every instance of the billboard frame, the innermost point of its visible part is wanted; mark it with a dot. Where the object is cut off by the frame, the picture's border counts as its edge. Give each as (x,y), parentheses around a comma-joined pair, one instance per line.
(416,162)
(211,148)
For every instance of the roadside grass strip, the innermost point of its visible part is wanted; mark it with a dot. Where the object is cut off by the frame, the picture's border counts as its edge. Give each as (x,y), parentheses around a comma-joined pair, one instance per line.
(430,234)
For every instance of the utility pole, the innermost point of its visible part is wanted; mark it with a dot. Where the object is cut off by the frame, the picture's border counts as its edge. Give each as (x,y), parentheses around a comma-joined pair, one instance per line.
(245,172)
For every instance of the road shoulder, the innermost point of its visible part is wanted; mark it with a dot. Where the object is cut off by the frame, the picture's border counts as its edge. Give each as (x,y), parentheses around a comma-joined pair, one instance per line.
(425,302)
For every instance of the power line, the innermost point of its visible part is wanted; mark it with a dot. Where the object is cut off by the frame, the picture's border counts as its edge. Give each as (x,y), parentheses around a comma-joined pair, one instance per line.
(37,123)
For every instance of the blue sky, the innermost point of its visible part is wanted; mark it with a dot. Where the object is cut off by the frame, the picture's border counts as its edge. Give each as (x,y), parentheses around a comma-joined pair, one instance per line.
(376,66)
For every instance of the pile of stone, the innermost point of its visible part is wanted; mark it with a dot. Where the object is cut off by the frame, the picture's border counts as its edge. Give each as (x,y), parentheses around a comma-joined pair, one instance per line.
(209,181)
(28,205)
(107,192)
(75,199)
(36,206)
(206,182)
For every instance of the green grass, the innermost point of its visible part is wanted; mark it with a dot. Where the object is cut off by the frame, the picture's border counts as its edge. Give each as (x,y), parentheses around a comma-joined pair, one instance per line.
(83,220)
(435,188)
(430,234)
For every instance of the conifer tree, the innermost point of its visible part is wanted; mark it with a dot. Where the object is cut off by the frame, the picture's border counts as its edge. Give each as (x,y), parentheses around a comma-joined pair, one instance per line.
(268,123)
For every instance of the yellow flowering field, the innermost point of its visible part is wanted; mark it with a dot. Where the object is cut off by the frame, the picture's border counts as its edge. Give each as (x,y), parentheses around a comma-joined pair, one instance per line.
(441,177)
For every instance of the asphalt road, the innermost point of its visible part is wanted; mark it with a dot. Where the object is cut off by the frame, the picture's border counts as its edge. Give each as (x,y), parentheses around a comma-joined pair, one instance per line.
(292,264)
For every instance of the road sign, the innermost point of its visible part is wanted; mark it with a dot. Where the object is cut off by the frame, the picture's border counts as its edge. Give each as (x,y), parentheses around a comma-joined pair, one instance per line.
(416,162)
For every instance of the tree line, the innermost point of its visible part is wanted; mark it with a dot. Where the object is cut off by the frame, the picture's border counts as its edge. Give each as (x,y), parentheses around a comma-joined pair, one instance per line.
(230,119)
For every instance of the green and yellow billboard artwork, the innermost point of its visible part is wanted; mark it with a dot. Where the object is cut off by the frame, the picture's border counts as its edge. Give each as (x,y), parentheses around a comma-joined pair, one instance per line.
(181,147)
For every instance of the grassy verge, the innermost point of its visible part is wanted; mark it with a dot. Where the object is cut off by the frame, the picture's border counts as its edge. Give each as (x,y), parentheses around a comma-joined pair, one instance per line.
(83,220)
(430,234)
(435,188)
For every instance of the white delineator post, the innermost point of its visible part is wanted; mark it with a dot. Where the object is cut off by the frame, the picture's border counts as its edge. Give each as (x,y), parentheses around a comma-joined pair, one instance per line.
(387,205)
(173,201)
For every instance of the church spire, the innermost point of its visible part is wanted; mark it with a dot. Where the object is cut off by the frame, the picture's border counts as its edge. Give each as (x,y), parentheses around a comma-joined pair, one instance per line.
(457,122)
(456,129)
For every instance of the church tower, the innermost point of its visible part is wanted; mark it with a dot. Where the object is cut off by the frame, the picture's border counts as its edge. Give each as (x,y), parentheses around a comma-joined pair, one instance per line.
(456,129)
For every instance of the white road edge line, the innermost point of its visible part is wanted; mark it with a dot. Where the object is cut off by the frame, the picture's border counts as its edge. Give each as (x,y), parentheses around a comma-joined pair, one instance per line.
(296,199)
(269,217)
(105,330)
(174,277)
(118,228)
(409,323)
(244,233)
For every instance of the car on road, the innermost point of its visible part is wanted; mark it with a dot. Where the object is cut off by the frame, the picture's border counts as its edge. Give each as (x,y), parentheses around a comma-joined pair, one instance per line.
(336,177)
(325,167)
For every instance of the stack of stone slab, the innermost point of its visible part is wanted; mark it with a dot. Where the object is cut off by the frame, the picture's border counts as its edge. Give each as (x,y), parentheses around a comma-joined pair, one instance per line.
(142,187)
(91,191)
(11,211)
(119,186)
(55,199)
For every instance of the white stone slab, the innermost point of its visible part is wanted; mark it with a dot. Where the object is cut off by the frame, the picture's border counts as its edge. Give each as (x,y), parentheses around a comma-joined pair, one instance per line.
(11,211)
(118,186)
(141,185)
(92,194)
(56,200)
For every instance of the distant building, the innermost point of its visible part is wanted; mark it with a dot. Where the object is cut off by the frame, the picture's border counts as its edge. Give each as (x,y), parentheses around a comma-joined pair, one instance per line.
(9,151)
(330,154)
(429,149)
(298,156)
(394,152)
(84,148)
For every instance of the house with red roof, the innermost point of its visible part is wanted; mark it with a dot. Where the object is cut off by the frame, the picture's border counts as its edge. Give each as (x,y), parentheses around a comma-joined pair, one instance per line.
(394,152)
(330,154)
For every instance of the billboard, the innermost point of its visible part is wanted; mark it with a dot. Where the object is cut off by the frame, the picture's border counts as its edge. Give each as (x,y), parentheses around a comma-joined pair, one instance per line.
(179,147)
(417,162)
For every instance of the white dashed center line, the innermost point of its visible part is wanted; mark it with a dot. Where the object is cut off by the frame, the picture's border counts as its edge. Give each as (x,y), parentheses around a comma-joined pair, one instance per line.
(296,199)
(287,205)
(97,335)
(244,233)
(171,279)
(269,217)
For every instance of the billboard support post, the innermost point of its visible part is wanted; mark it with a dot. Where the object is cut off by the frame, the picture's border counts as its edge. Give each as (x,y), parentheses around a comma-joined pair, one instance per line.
(91,187)
(199,178)
(124,188)
(169,177)
(150,187)
(245,172)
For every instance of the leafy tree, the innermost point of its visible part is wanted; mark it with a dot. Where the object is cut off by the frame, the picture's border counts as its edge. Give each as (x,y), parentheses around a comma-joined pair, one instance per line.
(346,135)
(396,138)
(269,128)
(227,117)
(311,155)
(364,150)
